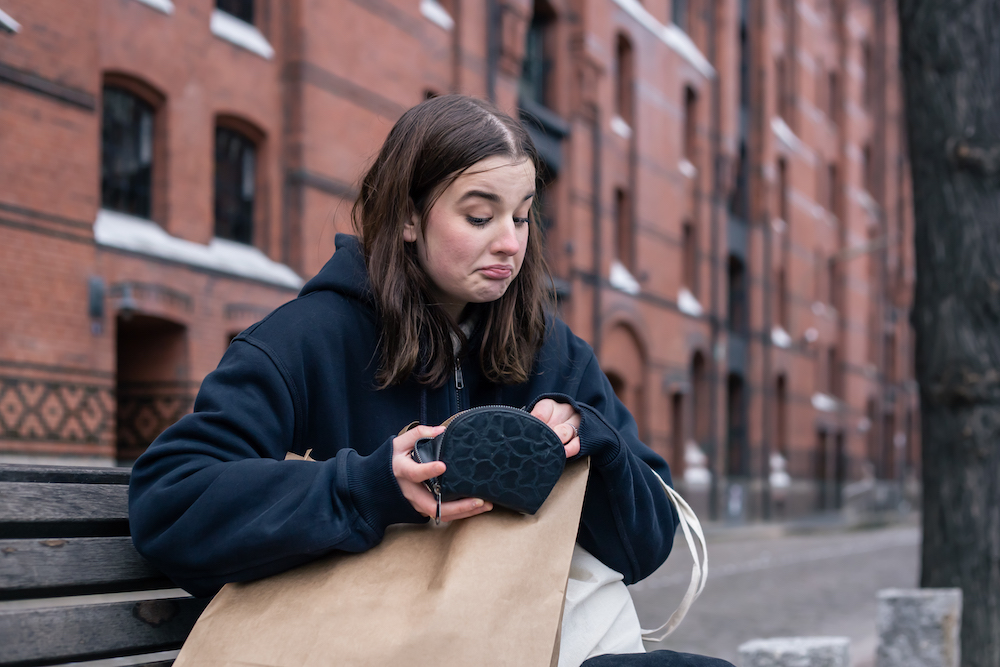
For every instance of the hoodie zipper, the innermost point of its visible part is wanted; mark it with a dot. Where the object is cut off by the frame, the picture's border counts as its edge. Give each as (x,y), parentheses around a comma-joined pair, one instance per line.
(459,385)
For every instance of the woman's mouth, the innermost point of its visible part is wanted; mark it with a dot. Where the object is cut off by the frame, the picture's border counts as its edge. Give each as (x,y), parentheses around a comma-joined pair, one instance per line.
(497,272)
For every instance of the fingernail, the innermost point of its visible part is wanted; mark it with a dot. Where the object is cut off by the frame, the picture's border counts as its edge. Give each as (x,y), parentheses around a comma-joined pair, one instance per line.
(477,503)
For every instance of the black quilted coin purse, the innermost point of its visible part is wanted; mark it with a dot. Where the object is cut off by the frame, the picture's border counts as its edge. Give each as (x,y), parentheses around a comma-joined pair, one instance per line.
(498,453)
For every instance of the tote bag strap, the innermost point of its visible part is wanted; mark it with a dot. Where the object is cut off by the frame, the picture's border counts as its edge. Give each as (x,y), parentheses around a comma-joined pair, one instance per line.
(699,570)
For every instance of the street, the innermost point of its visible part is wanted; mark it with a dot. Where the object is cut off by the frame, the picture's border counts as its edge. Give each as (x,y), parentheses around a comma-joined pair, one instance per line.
(782,586)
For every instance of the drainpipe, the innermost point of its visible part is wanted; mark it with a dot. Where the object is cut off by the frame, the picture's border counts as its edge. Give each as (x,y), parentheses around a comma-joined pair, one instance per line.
(456,47)
(492,47)
(595,204)
(713,317)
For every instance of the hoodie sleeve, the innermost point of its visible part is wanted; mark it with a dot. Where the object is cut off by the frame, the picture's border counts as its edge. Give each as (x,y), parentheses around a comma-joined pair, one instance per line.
(628,522)
(212,500)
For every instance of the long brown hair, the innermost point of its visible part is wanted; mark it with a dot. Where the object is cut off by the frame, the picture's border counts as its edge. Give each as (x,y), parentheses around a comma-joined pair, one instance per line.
(427,149)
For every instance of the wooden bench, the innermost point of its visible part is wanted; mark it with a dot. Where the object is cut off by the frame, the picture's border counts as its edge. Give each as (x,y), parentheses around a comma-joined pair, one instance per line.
(72,586)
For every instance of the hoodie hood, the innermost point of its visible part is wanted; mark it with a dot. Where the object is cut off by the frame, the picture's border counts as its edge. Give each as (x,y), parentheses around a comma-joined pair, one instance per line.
(345,273)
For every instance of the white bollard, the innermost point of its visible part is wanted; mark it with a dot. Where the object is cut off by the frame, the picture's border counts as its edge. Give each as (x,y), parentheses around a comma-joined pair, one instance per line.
(919,627)
(796,652)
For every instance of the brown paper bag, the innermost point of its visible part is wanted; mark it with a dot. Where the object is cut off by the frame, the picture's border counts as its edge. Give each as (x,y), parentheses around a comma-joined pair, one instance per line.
(482,591)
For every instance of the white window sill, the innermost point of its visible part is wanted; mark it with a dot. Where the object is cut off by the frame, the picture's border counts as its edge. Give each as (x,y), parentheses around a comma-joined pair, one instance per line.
(688,303)
(126,232)
(436,14)
(824,402)
(8,24)
(780,337)
(787,136)
(621,279)
(620,127)
(164,6)
(670,35)
(228,27)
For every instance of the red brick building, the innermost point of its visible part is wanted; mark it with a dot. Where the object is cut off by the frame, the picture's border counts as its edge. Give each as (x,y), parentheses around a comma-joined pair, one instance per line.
(727,210)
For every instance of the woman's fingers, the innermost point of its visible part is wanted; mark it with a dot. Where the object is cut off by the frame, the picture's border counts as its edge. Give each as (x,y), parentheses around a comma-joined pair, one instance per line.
(463,509)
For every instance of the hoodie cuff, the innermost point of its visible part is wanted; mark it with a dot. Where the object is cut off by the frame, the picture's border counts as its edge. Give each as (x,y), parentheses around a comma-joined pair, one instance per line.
(598,439)
(376,493)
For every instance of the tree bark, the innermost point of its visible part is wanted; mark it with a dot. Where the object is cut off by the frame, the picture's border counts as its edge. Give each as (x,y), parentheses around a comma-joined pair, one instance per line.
(951,73)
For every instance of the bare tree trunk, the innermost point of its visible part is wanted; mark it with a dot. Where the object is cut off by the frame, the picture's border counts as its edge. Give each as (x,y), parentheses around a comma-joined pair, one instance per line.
(951,72)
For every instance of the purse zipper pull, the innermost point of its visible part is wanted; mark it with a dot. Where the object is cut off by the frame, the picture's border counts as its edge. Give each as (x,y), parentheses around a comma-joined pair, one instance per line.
(437,495)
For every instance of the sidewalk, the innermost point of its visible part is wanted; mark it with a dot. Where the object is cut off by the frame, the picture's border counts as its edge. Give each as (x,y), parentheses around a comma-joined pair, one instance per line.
(821,522)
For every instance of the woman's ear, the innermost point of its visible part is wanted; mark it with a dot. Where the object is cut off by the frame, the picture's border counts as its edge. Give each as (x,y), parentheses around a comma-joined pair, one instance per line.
(410,228)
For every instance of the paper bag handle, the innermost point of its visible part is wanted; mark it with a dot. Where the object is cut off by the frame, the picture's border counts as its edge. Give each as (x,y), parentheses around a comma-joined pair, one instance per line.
(699,571)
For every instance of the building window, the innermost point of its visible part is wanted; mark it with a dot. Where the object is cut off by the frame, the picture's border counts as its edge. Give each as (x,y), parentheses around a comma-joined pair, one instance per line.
(782,204)
(782,294)
(890,357)
(781,416)
(832,284)
(689,262)
(832,96)
(832,188)
(690,125)
(126,153)
(867,173)
(623,229)
(679,14)
(677,435)
(536,68)
(241,9)
(832,372)
(699,399)
(235,185)
(867,63)
(624,73)
(737,314)
(736,463)
(780,87)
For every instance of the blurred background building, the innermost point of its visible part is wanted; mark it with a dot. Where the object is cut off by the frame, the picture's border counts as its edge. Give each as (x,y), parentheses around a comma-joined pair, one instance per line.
(727,211)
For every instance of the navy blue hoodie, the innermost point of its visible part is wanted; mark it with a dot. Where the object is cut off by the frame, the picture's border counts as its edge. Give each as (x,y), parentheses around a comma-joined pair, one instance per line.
(212,500)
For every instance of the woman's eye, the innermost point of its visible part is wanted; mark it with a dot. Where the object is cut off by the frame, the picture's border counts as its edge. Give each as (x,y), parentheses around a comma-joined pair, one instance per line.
(477,221)
(521,221)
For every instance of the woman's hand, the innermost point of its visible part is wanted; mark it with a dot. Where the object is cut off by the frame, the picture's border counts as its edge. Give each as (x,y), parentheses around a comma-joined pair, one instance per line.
(563,419)
(411,475)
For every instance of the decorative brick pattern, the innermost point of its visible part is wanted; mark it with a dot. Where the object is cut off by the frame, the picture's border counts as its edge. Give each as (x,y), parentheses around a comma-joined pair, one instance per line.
(46,411)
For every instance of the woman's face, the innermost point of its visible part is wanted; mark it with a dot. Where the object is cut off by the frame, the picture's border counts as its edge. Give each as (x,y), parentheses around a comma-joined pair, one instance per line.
(476,234)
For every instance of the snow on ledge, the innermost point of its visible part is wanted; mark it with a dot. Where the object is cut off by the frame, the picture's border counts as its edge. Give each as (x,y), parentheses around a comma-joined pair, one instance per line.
(780,337)
(118,230)
(8,23)
(688,303)
(436,14)
(670,35)
(165,6)
(620,127)
(620,278)
(686,168)
(228,27)
(824,403)
(787,136)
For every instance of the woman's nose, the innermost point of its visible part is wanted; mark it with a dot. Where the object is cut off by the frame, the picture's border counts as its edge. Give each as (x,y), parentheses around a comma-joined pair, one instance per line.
(506,241)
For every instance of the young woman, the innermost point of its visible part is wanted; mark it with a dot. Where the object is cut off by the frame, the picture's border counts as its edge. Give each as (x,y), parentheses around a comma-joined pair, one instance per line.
(438,305)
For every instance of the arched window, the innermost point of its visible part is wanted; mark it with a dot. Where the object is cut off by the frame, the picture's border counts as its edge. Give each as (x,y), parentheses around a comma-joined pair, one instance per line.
(781,416)
(235,184)
(689,262)
(624,80)
(624,243)
(690,142)
(737,296)
(241,9)
(536,68)
(127,151)
(699,398)
(736,463)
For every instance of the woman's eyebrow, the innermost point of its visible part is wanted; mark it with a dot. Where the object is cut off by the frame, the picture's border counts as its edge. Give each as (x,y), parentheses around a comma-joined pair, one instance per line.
(488,196)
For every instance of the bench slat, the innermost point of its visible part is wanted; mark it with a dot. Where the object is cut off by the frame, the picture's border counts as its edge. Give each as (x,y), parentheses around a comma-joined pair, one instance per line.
(19,472)
(59,634)
(30,502)
(31,565)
